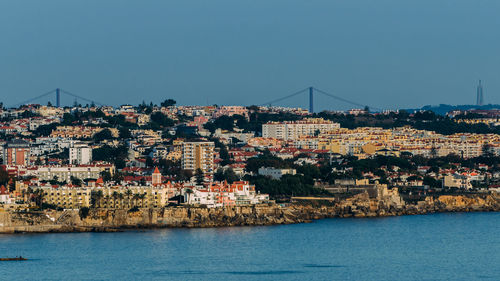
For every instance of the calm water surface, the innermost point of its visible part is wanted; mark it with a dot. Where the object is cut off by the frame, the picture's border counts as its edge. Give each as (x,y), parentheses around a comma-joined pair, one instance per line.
(430,247)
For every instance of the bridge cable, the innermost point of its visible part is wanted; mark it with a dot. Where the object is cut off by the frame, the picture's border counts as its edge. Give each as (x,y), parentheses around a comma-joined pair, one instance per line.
(344,100)
(32,99)
(286,97)
(79,97)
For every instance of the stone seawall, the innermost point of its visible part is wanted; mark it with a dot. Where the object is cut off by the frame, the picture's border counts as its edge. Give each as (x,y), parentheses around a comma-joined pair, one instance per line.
(303,210)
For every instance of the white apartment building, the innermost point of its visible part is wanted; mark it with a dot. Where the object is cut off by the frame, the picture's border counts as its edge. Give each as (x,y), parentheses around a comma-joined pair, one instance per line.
(64,173)
(198,155)
(275,173)
(80,154)
(457,181)
(291,130)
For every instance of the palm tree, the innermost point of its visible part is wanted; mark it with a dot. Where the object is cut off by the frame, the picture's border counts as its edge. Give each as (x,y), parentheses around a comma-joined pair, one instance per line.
(142,196)
(135,198)
(39,197)
(199,176)
(95,198)
(129,194)
(121,196)
(115,198)
(99,196)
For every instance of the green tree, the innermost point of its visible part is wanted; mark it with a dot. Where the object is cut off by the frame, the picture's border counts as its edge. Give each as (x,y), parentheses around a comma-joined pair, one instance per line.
(161,120)
(184,175)
(199,176)
(487,150)
(95,198)
(103,135)
(168,102)
(4,176)
(45,130)
(115,155)
(106,176)
(253,164)
(83,212)
(228,175)
(76,181)
(124,133)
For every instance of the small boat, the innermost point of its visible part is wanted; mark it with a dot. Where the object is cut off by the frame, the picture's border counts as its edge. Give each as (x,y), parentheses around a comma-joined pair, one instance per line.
(13,259)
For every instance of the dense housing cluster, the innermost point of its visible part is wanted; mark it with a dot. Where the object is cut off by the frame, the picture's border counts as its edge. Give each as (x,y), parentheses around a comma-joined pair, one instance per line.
(153,156)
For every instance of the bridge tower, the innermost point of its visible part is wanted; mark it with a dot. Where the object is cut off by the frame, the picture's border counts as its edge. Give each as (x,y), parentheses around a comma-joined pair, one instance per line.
(58,97)
(311,100)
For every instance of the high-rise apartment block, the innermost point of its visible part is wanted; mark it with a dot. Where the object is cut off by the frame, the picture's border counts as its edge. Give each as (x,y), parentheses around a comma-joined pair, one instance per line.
(290,130)
(80,154)
(198,155)
(16,152)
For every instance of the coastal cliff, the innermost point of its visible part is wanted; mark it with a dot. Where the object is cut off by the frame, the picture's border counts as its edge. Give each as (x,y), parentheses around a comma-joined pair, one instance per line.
(301,210)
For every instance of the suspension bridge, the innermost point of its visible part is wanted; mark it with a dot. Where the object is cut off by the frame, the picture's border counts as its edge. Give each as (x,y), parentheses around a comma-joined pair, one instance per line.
(57,93)
(311,91)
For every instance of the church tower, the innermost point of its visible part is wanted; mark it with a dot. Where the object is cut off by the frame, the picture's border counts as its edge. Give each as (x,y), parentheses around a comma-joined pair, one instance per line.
(156,177)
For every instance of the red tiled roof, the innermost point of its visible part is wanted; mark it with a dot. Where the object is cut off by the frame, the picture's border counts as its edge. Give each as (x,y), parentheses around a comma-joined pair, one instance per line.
(3,190)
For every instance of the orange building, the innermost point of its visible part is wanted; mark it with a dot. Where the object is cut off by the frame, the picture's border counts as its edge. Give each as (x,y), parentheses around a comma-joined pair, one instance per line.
(16,152)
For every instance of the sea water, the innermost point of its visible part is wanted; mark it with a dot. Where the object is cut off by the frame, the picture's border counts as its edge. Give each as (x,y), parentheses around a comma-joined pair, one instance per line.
(455,246)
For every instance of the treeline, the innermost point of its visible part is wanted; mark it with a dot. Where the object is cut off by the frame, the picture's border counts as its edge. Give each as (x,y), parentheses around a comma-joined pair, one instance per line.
(426,120)
(115,155)
(301,184)
(252,124)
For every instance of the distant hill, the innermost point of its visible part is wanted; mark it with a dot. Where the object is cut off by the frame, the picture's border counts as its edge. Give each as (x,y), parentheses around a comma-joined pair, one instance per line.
(442,109)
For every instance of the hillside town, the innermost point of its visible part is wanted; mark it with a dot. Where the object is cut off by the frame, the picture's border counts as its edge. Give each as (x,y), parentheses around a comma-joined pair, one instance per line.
(154,156)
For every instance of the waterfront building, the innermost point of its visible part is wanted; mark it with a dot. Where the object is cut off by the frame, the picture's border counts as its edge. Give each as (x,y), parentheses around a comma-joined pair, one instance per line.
(114,197)
(66,197)
(223,194)
(4,195)
(457,181)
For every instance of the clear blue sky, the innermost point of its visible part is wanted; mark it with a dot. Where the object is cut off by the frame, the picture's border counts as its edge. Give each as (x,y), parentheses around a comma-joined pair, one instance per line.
(385,53)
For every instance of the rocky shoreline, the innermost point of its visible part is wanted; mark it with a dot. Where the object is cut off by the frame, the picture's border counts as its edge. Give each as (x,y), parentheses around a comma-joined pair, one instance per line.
(300,211)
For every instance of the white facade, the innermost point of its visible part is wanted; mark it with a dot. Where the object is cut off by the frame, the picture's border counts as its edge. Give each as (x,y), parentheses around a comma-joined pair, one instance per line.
(276,173)
(457,181)
(4,196)
(295,129)
(64,173)
(80,154)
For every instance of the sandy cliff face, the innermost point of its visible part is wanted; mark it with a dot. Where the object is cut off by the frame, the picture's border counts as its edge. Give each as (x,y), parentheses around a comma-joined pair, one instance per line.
(189,217)
(360,205)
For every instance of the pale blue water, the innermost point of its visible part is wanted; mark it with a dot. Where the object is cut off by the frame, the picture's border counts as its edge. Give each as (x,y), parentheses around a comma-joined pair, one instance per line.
(430,247)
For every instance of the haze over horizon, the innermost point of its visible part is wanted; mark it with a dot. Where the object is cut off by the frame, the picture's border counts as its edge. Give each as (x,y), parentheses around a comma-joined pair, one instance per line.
(386,54)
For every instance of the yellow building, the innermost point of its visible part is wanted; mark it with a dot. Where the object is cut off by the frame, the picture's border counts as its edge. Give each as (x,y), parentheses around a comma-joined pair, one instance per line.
(198,155)
(108,197)
(67,198)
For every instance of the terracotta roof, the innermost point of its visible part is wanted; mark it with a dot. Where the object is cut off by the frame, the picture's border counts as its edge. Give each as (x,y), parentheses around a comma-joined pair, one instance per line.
(3,190)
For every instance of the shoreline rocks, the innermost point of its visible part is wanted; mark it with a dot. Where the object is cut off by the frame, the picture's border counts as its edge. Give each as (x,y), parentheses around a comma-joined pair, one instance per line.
(301,211)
